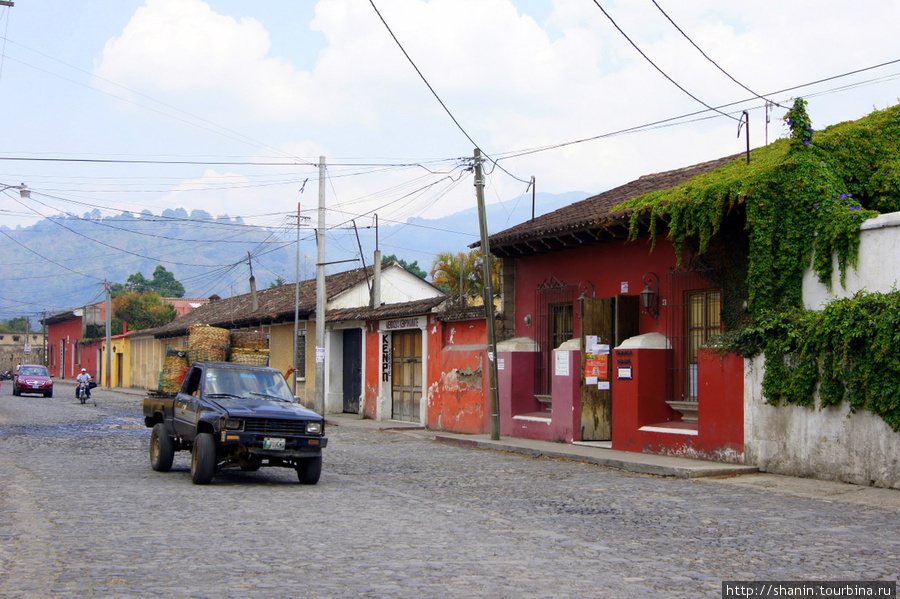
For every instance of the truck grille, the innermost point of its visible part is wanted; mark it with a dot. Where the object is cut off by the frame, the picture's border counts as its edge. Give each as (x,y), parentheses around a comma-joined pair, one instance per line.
(275,428)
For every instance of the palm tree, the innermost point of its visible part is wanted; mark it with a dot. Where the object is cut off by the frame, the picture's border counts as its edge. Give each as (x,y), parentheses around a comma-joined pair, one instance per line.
(462,273)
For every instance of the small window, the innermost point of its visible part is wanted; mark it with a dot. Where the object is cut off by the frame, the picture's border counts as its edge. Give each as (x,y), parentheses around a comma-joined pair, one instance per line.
(301,354)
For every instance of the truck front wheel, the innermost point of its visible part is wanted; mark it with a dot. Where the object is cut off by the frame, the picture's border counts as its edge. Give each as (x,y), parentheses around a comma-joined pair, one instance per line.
(203,459)
(162,449)
(309,470)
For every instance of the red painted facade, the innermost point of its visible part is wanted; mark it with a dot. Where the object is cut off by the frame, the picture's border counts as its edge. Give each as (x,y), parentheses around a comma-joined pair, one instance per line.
(642,421)
(455,390)
(457,393)
(605,266)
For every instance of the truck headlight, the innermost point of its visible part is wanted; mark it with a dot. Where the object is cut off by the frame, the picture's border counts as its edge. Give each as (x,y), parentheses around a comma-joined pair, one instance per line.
(233,424)
(313,428)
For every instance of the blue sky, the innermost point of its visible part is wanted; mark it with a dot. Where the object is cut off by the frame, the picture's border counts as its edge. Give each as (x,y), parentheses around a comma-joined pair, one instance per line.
(227,83)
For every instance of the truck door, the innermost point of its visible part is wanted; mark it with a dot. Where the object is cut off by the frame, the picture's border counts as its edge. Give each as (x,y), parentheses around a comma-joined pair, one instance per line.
(185,405)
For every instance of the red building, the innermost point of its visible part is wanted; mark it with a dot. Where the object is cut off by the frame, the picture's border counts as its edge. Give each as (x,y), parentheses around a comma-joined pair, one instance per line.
(423,361)
(65,331)
(66,355)
(604,331)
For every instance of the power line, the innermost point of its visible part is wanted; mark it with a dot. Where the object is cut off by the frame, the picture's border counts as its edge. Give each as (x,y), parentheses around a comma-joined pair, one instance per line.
(663,73)
(434,93)
(421,76)
(677,120)
(710,59)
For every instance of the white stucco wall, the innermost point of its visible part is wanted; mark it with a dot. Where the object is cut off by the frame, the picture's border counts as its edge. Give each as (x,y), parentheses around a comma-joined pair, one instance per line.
(398,286)
(830,444)
(878,268)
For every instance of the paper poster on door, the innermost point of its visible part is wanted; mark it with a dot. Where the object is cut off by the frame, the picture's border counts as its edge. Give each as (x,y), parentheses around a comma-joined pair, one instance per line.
(596,367)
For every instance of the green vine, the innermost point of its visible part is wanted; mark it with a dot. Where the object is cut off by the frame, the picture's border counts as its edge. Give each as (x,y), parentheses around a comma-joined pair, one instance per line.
(801,203)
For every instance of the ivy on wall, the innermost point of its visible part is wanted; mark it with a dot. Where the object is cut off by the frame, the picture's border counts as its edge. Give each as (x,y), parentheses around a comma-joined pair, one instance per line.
(803,199)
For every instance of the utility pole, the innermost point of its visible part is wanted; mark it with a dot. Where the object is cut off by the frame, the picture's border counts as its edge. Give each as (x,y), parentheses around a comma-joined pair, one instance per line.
(321,295)
(488,298)
(297,308)
(108,336)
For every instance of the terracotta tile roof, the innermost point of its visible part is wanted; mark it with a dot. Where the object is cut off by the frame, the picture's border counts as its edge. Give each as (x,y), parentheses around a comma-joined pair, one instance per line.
(413,308)
(275,305)
(590,221)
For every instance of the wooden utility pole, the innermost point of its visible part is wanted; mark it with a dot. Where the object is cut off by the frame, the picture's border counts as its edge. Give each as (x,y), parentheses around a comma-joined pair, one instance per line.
(488,298)
(108,336)
(321,296)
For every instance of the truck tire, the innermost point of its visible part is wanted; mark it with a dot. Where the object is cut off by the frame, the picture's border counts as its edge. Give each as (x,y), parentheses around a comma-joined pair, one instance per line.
(203,459)
(309,470)
(162,449)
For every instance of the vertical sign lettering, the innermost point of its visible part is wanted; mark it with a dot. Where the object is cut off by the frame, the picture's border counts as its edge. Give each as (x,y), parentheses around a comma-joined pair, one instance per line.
(385,357)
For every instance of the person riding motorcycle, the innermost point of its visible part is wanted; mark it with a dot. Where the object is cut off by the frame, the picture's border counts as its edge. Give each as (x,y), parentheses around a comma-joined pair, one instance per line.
(84,377)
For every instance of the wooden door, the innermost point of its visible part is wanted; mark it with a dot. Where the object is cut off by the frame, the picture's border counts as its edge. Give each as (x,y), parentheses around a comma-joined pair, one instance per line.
(406,375)
(612,321)
(352,370)
(596,402)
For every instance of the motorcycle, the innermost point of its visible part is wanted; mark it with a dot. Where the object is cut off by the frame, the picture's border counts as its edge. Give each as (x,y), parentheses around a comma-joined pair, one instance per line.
(82,393)
(6,376)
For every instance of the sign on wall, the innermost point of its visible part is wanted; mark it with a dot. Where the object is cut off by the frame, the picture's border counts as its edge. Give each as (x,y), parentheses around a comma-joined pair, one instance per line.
(414,322)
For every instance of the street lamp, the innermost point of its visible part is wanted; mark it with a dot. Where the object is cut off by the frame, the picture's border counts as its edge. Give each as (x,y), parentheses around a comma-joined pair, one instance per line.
(24,192)
(650,296)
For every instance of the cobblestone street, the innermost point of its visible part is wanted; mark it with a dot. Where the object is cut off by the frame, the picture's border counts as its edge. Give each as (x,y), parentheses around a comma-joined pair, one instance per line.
(83,515)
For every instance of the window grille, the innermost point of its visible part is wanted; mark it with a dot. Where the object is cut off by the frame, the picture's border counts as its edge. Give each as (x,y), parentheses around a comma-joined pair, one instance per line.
(555,324)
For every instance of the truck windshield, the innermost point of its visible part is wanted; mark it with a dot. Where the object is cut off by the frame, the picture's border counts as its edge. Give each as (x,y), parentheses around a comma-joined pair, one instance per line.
(248,383)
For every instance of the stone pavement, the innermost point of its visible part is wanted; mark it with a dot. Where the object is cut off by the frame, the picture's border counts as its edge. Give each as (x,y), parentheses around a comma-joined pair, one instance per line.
(395,516)
(593,453)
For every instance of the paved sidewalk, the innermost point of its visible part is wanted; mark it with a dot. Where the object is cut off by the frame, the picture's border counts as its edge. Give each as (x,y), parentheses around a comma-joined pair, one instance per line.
(592,453)
(702,471)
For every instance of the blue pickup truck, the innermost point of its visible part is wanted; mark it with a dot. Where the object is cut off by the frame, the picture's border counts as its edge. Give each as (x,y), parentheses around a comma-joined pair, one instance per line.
(234,415)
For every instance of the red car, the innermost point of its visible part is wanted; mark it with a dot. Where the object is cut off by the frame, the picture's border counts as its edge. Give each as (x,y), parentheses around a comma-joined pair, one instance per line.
(32,378)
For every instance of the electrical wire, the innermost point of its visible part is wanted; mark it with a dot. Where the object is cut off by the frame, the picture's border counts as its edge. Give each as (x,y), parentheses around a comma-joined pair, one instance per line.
(654,65)
(710,59)
(214,127)
(672,121)
(434,93)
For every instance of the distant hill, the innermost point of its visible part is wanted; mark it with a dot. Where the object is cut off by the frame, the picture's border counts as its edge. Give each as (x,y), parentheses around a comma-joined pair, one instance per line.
(61,263)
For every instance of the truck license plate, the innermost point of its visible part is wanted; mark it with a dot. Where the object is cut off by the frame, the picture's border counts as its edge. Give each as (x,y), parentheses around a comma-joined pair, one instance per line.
(273,443)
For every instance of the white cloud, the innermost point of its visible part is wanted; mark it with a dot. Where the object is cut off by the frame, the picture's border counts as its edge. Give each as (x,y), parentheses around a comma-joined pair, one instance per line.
(511,82)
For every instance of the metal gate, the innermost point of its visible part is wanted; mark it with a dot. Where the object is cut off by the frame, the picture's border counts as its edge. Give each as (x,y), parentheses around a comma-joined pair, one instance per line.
(554,303)
(406,375)
(694,316)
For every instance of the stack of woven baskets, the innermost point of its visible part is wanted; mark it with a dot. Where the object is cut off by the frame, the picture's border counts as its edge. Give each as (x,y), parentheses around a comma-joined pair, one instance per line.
(174,368)
(207,344)
(250,347)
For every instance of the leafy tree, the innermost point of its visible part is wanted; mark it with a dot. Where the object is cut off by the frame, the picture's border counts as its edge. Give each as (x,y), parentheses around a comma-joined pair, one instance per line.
(411,267)
(143,310)
(462,273)
(163,283)
(19,323)
(278,282)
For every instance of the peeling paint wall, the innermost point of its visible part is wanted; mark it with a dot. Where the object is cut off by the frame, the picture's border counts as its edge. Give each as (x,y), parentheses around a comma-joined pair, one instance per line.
(458,391)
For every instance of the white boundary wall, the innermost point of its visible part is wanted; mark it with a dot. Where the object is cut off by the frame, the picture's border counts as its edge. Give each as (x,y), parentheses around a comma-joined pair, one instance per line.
(830,444)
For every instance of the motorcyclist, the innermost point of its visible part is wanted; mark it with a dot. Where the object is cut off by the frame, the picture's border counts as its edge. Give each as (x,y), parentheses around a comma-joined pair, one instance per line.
(84,377)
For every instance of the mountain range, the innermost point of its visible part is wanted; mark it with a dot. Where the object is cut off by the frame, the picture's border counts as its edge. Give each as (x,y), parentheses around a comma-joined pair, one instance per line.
(63,262)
